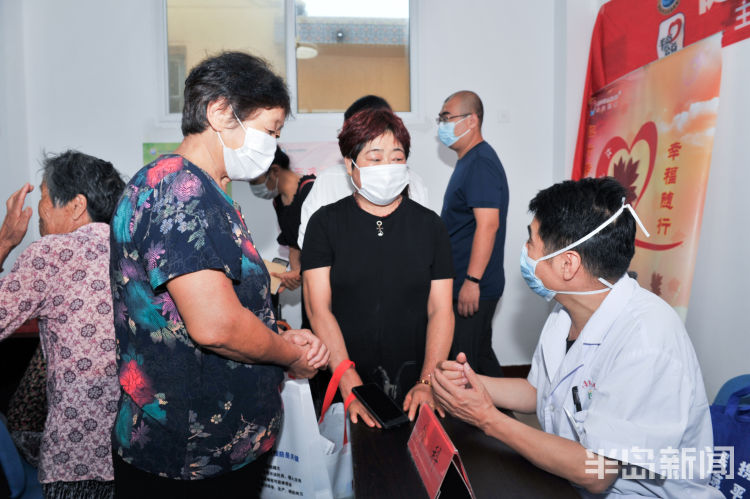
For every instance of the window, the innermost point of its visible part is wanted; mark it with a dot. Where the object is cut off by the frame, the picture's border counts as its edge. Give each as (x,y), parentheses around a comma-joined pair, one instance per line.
(200,28)
(331,52)
(347,49)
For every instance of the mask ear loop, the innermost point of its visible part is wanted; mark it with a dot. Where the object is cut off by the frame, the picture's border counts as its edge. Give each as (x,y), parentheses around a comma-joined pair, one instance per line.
(237,118)
(640,224)
(638,220)
(587,236)
(238,121)
(599,229)
(595,232)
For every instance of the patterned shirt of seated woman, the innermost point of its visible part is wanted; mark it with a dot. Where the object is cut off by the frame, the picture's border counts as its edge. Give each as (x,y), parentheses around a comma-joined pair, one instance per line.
(63,280)
(377,271)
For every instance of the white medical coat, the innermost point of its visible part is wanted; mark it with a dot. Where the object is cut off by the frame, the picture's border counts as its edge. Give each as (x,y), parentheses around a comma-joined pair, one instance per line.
(640,388)
(333,184)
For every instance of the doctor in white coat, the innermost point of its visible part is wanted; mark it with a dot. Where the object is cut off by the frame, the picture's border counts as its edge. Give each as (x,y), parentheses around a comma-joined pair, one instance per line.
(614,379)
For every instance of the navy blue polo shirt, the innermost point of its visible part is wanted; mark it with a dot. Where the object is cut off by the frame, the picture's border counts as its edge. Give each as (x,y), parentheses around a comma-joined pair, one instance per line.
(478,181)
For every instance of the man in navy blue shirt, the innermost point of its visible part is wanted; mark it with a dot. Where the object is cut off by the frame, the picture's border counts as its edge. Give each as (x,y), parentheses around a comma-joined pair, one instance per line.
(475,207)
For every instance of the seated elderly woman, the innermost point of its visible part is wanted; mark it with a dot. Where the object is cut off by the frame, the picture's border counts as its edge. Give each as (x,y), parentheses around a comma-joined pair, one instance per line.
(377,271)
(63,279)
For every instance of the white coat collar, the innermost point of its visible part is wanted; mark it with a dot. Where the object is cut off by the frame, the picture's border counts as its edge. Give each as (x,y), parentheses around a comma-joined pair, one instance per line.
(557,364)
(601,320)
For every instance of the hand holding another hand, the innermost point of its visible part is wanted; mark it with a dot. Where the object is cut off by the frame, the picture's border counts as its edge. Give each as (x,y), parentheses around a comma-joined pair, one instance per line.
(453,370)
(313,353)
(458,389)
(290,280)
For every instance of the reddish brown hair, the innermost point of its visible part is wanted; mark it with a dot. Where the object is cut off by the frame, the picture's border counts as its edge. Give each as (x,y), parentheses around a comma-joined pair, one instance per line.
(367,125)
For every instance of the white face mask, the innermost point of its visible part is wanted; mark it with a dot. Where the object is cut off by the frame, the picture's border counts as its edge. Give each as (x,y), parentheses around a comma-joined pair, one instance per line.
(381,184)
(262,191)
(253,158)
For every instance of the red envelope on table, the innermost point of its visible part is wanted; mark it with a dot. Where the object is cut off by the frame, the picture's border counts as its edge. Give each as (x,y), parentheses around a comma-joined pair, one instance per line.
(437,459)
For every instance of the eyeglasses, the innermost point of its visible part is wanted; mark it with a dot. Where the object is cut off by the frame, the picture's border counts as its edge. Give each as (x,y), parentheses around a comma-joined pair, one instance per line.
(447,117)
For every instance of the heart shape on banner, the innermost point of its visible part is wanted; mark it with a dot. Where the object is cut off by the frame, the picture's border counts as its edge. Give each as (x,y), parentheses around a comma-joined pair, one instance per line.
(605,166)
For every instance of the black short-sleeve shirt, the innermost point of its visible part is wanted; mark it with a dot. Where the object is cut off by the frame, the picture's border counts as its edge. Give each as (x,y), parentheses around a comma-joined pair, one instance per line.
(289,216)
(380,284)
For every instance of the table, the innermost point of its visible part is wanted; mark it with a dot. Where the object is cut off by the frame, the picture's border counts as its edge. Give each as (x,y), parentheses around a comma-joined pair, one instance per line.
(383,468)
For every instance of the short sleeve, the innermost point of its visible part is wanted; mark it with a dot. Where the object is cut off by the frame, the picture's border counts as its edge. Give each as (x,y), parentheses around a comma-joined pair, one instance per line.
(650,412)
(191,233)
(536,369)
(484,185)
(310,206)
(289,216)
(417,189)
(308,182)
(317,250)
(442,263)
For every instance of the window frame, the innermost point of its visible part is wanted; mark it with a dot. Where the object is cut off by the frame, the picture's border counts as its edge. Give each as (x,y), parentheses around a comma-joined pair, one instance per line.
(290,24)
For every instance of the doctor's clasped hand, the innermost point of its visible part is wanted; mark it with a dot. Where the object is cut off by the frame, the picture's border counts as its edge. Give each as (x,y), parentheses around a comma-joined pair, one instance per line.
(459,390)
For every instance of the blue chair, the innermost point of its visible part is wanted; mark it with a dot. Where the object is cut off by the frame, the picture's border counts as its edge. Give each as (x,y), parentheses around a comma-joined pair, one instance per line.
(732,386)
(21,477)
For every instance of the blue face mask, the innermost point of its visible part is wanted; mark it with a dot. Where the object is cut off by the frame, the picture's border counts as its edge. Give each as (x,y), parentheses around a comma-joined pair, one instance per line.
(446,132)
(528,271)
(528,264)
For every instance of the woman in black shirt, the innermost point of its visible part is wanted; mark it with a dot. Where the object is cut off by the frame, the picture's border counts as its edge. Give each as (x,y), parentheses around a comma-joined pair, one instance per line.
(378,273)
(288,191)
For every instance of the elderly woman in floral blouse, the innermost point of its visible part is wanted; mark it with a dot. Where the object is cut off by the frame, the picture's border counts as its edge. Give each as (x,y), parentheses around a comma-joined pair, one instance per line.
(201,361)
(63,279)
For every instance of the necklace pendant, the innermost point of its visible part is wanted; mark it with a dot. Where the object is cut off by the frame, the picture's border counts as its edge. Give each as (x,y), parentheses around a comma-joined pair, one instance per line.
(379,225)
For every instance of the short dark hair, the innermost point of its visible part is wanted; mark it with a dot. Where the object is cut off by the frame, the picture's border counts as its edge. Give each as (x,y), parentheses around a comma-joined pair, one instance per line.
(370,124)
(470,103)
(71,173)
(246,82)
(569,210)
(281,159)
(366,102)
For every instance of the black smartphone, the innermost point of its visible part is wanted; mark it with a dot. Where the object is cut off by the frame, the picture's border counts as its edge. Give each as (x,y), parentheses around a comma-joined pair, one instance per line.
(380,405)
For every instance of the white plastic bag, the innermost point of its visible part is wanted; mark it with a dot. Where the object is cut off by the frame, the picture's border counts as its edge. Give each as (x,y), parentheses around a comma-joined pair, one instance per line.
(339,458)
(306,463)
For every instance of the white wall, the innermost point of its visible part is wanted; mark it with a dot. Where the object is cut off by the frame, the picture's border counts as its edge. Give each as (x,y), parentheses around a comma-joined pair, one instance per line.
(88,74)
(716,318)
(15,166)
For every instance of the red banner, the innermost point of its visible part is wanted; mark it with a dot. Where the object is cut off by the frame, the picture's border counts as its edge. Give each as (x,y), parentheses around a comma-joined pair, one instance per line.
(629,34)
(653,130)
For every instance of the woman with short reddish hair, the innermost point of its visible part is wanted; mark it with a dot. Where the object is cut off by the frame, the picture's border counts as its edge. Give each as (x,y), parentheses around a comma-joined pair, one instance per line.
(377,271)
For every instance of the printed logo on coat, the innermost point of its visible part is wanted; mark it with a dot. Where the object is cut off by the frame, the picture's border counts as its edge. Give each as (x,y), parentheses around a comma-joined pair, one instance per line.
(671,35)
(667,6)
(588,388)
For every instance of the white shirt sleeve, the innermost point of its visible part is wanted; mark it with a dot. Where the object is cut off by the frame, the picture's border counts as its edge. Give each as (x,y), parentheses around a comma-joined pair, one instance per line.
(417,189)
(309,206)
(330,186)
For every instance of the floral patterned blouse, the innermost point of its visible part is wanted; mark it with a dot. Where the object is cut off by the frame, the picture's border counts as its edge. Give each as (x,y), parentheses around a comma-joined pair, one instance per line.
(63,279)
(186,412)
